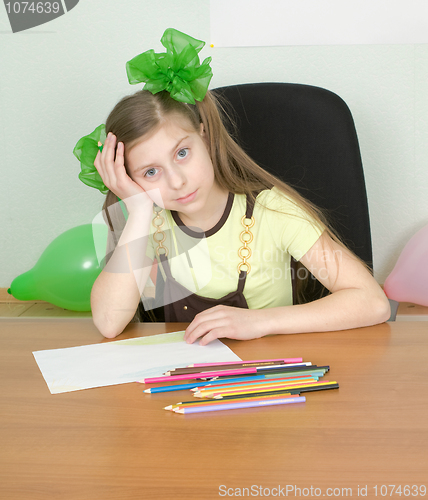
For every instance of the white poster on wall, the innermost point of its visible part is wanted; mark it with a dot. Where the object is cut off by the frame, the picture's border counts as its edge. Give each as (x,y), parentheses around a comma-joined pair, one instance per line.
(238,23)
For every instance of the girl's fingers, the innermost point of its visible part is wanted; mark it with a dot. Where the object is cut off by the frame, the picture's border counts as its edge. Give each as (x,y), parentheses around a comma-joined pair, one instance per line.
(98,163)
(119,153)
(107,156)
(109,149)
(119,162)
(203,324)
(122,179)
(110,164)
(209,337)
(102,162)
(225,321)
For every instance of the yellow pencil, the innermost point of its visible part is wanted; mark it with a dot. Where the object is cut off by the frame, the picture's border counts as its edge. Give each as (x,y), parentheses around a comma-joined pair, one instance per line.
(270,389)
(242,387)
(231,385)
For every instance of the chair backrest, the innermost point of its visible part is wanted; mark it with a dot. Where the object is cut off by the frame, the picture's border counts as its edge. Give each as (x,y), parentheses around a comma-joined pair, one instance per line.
(306,136)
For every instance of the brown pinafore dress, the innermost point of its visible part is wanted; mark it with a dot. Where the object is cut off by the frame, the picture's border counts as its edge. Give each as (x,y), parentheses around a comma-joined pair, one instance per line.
(182,305)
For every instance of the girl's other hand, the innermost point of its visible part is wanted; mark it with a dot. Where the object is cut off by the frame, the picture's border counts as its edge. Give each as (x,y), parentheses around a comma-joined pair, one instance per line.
(110,164)
(228,322)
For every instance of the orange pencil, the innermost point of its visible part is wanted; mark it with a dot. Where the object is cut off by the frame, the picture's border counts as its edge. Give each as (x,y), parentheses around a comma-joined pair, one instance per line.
(209,387)
(250,387)
(270,389)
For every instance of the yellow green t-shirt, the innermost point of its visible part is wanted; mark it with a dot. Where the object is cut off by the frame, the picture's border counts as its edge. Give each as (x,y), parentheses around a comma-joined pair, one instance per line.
(207,263)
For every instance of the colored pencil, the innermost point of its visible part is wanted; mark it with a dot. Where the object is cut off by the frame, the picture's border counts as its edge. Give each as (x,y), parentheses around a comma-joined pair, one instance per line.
(216,402)
(244,389)
(284,369)
(246,363)
(258,383)
(250,397)
(225,381)
(245,404)
(265,382)
(205,374)
(229,366)
(254,378)
(285,360)
(190,385)
(213,394)
(202,383)
(312,388)
(270,390)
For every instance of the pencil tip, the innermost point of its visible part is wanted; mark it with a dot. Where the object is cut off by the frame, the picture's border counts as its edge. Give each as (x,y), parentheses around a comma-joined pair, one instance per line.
(179,411)
(147,390)
(169,407)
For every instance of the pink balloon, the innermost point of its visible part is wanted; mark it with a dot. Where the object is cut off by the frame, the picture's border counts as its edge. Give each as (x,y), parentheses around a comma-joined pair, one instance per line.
(408,281)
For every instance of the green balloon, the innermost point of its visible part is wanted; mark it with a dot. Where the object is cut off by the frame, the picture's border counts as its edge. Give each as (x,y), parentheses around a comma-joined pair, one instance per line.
(66,270)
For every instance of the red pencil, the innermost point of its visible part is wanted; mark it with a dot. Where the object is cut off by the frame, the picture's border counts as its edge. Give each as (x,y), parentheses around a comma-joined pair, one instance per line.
(208,374)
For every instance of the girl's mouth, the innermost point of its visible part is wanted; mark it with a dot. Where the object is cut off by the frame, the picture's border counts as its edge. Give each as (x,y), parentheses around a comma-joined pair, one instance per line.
(188,198)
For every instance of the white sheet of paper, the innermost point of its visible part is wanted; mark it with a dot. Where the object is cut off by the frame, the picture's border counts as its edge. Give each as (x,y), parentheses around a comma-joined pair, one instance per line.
(123,361)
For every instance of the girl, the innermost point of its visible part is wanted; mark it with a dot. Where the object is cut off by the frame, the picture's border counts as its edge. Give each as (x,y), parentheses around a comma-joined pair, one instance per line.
(222,230)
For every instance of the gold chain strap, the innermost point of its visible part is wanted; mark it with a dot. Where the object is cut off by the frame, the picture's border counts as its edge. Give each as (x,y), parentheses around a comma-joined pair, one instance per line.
(159,236)
(246,238)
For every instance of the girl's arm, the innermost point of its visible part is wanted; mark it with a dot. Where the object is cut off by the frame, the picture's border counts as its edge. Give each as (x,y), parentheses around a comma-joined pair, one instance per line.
(356,300)
(116,292)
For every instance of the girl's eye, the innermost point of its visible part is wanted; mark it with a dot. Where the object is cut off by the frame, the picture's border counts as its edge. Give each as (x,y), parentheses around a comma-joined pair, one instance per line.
(151,172)
(183,153)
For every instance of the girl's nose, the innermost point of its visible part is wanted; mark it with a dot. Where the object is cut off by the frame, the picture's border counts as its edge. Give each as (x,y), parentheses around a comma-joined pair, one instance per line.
(177,179)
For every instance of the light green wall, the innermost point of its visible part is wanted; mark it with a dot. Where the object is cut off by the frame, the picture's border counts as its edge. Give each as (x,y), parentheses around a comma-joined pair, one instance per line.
(59,81)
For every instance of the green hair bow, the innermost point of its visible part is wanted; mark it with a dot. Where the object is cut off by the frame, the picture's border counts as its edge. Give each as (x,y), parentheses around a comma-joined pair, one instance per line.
(177,71)
(86,151)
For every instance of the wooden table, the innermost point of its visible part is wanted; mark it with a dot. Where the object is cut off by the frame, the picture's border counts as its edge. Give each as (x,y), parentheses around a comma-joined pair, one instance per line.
(118,443)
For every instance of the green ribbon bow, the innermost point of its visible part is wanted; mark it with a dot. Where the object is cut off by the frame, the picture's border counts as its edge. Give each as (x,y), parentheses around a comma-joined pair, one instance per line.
(85,151)
(178,70)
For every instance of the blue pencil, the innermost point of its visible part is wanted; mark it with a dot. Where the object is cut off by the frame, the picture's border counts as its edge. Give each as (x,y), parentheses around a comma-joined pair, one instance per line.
(269,381)
(192,385)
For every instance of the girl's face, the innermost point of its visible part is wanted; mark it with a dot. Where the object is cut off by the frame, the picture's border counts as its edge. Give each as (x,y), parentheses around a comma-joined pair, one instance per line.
(176,162)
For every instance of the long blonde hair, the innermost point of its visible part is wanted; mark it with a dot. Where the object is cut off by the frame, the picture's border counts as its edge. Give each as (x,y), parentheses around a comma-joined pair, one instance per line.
(141,113)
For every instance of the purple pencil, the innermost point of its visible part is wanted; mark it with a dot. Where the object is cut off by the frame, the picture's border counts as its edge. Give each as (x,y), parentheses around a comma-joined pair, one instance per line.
(237,406)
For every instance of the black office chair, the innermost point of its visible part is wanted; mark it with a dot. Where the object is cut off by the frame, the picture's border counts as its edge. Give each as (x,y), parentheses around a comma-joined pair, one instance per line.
(306,136)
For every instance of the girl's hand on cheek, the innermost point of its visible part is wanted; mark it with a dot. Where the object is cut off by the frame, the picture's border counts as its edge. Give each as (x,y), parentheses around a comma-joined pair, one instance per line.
(110,164)
(227,322)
